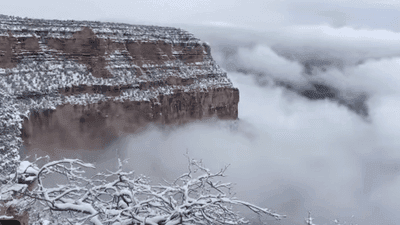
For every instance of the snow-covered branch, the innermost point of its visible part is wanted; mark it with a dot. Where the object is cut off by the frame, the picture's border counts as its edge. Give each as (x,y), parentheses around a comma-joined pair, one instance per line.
(194,198)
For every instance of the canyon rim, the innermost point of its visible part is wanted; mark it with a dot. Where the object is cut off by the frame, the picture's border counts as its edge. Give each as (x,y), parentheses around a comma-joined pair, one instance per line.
(82,84)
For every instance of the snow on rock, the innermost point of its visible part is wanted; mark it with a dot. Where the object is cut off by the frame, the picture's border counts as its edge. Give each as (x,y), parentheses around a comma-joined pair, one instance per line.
(48,65)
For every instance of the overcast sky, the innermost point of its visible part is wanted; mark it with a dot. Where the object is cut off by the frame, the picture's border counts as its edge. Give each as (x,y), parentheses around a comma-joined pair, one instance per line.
(288,153)
(249,14)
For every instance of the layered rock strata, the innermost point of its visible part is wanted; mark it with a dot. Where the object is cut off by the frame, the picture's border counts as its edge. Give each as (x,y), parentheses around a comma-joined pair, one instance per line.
(81,84)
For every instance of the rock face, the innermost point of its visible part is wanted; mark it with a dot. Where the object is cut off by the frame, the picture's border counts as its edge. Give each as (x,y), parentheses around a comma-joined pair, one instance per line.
(81,84)
(95,125)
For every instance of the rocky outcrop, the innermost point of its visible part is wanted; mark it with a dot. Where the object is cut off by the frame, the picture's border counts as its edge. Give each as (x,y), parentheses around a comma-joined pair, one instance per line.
(95,125)
(81,84)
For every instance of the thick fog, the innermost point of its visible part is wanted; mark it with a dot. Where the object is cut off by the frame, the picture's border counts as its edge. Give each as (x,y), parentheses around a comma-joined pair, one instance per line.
(319,84)
(294,152)
(289,151)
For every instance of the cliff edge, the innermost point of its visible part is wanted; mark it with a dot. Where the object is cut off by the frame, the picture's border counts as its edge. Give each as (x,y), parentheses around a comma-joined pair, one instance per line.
(81,84)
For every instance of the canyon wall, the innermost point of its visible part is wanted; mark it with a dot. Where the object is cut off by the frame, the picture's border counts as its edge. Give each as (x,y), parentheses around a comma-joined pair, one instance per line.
(94,126)
(82,84)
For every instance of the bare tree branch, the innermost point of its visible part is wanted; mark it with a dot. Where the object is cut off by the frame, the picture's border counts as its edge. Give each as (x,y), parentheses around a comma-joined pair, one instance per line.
(193,198)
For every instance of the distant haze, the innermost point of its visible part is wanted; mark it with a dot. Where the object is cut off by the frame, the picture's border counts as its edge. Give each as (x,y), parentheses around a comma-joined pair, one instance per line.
(288,152)
(257,14)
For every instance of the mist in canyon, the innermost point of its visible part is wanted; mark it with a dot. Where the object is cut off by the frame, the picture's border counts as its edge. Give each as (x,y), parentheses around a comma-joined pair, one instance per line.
(288,151)
(318,115)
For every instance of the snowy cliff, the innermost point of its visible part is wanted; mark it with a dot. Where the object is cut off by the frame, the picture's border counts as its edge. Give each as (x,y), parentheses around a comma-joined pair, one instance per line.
(79,84)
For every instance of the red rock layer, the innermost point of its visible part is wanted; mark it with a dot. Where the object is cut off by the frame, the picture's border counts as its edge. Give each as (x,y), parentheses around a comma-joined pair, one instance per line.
(94,126)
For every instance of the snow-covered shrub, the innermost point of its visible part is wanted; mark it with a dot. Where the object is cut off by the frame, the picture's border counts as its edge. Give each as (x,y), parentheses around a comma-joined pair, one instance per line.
(10,142)
(196,197)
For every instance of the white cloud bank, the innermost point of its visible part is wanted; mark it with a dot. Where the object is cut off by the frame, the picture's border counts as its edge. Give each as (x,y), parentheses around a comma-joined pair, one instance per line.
(289,153)
(292,154)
